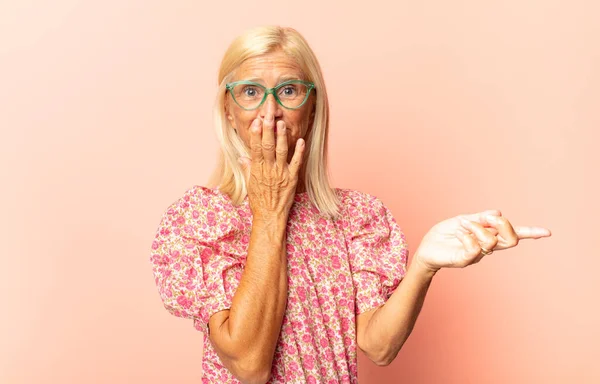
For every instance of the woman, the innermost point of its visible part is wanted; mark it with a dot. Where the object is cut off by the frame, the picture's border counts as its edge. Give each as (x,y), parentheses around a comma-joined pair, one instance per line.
(286,275)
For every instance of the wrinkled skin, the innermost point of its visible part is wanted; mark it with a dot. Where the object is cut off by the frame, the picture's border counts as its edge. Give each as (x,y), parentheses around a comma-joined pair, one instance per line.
(276,140)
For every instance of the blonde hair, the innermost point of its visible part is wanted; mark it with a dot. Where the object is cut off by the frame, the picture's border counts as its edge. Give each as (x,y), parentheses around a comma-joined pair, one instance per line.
(228,176)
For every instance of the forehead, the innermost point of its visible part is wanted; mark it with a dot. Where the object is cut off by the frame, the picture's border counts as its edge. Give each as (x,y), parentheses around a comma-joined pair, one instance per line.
(269,68)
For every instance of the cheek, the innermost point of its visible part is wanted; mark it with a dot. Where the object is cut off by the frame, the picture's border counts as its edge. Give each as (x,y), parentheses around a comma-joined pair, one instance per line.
(238,118)
(243,121)
(244,134)
(299,123)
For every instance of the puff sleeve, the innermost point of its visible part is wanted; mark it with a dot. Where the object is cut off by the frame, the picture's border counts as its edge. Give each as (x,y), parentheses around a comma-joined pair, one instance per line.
(194,268)
(378,251)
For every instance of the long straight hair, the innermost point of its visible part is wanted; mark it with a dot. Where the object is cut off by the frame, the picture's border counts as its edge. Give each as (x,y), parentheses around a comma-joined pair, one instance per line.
(228,176)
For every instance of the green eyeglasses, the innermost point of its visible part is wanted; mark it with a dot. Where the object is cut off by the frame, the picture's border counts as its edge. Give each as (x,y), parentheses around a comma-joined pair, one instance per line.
(291,94)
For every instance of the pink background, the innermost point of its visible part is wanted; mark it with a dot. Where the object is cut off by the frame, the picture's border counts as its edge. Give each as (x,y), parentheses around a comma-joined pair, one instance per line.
(438,108)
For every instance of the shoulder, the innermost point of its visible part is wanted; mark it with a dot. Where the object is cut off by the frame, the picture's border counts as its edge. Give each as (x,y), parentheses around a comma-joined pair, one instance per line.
(202,211)
(199,199)
(355,202)
(363,212)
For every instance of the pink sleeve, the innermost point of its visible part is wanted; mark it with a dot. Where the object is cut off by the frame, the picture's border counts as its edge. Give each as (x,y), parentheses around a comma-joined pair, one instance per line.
(194,274)
(378,251)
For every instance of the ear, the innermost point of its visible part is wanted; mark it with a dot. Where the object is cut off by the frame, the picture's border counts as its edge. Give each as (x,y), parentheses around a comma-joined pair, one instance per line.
(228,115)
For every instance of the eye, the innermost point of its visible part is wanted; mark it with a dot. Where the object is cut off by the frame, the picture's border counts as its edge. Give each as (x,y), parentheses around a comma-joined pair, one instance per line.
(289,91)
(250,91)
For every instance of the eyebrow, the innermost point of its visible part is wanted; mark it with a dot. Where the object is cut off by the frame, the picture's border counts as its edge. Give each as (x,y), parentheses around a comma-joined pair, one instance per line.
(281,79)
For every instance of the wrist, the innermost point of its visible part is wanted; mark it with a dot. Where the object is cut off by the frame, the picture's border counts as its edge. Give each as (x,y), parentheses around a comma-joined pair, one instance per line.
(270,231)
(422,269)
(274,221)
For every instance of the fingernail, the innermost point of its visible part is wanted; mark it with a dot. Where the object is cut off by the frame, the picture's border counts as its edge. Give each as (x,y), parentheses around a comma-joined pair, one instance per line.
(256,123)
(269,118)
(464,222)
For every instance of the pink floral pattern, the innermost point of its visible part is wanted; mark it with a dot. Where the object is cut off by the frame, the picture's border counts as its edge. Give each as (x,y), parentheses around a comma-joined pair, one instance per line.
(336,270)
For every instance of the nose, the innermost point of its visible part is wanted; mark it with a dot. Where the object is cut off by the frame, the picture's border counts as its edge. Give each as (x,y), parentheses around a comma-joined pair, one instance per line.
(271,107)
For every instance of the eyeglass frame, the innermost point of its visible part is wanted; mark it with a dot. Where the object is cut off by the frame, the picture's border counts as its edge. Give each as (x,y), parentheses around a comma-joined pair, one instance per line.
(270,91)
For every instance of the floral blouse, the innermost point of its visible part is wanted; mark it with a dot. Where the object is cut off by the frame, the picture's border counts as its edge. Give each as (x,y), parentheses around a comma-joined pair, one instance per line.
(337,269)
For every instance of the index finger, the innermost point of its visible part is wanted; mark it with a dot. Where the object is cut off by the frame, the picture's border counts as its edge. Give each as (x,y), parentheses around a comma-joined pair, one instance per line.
(256,153)
(532,232)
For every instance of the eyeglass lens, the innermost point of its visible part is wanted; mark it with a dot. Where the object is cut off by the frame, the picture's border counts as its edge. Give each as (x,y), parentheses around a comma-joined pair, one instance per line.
(250,96)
